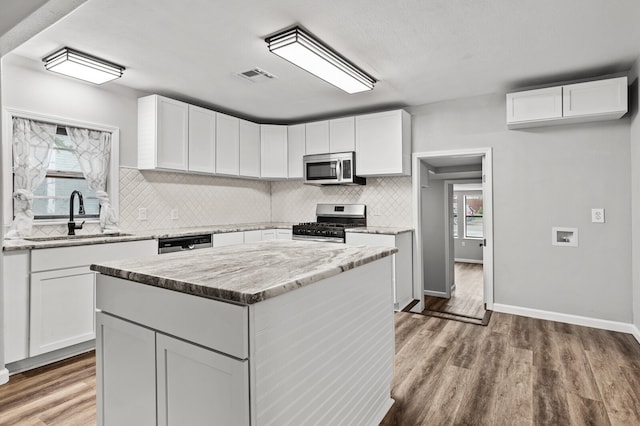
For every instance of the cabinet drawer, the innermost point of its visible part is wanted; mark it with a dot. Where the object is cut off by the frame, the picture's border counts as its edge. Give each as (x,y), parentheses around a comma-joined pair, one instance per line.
(210,323)
(71,257)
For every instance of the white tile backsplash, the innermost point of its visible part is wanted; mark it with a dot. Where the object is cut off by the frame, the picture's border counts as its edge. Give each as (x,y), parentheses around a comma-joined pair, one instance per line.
(388,200)
(199,200)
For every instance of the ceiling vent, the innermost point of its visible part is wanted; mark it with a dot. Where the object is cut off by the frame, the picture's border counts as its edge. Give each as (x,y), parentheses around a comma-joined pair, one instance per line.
(256,75)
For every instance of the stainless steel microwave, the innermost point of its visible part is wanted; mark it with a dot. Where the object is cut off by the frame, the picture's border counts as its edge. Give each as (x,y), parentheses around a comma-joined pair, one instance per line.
(331,169)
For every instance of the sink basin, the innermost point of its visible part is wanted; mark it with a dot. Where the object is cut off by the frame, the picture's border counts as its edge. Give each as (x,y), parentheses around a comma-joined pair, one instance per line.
(77,237)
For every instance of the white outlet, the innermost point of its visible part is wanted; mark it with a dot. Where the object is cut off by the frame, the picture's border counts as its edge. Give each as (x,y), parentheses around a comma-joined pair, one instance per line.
(142,213)
(174,214)
(597,215)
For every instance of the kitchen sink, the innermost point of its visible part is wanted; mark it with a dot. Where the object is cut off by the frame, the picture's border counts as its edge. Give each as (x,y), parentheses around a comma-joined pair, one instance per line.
(77,237)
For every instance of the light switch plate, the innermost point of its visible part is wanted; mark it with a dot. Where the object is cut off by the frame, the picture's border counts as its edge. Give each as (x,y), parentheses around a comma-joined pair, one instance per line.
(597,215)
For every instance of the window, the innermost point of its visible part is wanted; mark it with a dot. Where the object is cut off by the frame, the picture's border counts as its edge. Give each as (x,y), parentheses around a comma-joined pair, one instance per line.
(473,226)
(51,198)
(454,210)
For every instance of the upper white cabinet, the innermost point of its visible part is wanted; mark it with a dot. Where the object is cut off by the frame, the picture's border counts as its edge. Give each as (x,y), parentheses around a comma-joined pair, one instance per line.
(249,149)
(296,150)
(163,133)
(202,140)
(383,144)
(572,103)
(604,98)
(342,134)
(273,151)
(533,105)
(227,145)
(317,137)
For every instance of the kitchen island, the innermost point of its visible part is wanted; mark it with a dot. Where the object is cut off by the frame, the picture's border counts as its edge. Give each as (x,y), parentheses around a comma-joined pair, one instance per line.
(275,332)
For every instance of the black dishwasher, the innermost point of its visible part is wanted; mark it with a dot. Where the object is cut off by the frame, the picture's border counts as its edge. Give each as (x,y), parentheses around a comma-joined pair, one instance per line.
(191,242)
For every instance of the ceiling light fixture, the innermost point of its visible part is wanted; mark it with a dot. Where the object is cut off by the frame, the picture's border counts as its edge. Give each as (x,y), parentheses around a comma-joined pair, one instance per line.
(310,54)
(82,66)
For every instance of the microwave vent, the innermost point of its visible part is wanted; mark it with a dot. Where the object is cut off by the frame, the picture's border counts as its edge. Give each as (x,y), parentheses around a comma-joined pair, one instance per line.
(256,75)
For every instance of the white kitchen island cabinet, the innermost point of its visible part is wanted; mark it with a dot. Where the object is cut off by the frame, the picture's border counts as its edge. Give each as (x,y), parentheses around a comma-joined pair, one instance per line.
(256,334)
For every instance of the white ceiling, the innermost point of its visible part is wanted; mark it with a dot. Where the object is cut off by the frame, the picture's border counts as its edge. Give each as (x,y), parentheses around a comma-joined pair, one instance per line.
(15,11)
(421,51)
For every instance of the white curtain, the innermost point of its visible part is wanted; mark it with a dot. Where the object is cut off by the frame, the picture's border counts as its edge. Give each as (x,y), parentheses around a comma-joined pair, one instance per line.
(93,149)
(32,143)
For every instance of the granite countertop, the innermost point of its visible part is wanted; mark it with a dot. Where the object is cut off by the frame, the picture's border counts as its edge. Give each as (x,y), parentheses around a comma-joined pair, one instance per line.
(64,241)
(244,274)
(379,230)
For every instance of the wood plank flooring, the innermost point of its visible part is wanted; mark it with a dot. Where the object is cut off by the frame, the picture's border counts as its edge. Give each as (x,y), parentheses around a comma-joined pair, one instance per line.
(467,299)
(515,371)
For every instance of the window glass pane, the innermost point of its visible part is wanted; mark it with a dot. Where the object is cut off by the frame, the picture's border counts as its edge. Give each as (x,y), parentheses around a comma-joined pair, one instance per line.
(51,198)
(473,216)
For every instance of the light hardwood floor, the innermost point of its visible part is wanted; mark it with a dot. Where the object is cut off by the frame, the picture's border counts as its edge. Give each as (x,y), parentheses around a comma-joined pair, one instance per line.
(515,371)
(467,299)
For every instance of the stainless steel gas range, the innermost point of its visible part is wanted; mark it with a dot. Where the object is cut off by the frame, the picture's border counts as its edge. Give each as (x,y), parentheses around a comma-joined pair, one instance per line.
(331,222)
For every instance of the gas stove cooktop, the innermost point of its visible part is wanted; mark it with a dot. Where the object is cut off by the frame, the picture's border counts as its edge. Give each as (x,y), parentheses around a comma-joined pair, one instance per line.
(333,219)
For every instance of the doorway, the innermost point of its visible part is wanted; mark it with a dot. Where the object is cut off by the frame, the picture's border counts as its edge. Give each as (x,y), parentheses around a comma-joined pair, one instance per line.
(440,283)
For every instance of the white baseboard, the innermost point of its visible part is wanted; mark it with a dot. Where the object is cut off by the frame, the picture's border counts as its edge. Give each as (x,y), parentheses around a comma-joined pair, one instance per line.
(468,261)
(435,293)
(4,376)
(636,333)
(622,327)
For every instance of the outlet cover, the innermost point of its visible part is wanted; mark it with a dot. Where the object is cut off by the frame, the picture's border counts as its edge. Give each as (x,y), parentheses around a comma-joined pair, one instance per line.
(142,213)
(597,215)
(567,237)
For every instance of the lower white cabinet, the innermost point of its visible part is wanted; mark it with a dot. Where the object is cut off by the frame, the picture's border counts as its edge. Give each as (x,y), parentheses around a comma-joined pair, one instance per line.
(61,309)
(228,239)
(15,269)
(268,234)
(197,386)
(252,236)
(127,395)
(402,261)
(49,295)
(284,234)
(189,383)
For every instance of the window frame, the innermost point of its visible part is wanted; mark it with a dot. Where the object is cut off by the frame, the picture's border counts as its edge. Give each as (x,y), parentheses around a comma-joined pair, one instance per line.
(464,206)
(113,184)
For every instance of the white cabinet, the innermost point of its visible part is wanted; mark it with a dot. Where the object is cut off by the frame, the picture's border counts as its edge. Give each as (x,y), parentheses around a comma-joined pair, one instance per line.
(163,133)
(571,103)
(62,309)
(228,239)
(383,144)
(252,236)
(534,105)
(342,134)
(268,234)
(606,99)
(217,386)
(249,149)
(227,145)
(284,234)
(62,292)
(127,395)
(402,261)
(273,151)
(202,140)
(15,270)
(296,150)
(317,137)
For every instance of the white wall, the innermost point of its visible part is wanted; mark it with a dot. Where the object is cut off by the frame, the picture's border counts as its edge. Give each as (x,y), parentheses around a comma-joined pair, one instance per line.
(635,189)
(548,177)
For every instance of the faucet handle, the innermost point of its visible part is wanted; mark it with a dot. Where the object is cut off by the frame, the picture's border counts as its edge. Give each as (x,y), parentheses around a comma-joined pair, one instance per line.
(80,226)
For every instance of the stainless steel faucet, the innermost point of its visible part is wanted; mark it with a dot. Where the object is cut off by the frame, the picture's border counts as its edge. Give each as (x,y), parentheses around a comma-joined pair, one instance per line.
(72,225)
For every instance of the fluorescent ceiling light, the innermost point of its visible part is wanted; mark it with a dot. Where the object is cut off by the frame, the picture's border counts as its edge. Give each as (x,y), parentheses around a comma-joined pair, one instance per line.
(301,49)
(82,66)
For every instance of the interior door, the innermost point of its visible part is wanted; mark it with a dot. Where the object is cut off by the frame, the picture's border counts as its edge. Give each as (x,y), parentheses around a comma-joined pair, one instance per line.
(487,227)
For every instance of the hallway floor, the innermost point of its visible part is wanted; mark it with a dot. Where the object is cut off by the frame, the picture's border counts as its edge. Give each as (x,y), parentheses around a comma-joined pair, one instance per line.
(467,299)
